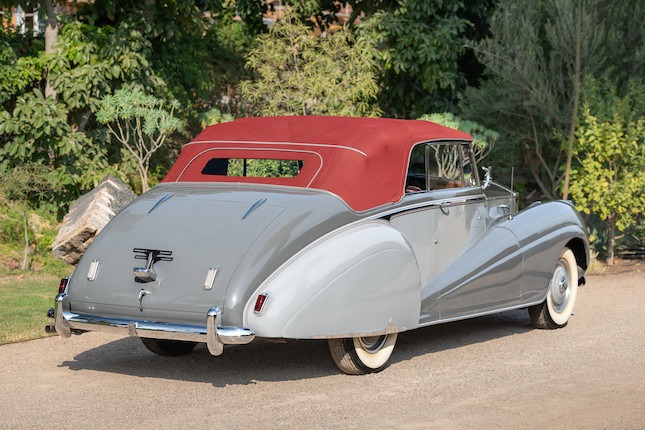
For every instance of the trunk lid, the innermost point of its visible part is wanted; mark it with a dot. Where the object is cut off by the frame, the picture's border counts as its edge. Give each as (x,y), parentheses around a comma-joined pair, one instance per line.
(203,228)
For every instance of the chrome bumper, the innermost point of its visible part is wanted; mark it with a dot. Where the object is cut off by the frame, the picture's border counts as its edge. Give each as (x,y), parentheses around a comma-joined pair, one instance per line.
(67,323)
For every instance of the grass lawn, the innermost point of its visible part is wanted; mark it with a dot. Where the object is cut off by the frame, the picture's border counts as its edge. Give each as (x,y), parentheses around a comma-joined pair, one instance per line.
(25,299)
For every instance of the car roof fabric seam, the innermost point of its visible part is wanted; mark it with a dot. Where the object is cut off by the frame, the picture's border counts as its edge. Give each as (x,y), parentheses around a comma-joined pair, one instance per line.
(259,142)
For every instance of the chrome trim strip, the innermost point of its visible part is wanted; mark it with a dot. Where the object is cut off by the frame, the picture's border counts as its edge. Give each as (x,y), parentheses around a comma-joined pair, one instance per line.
(161,201)
(215,336)
(259,142)
(481,314)
(435,203)
(254,207)
(321,145)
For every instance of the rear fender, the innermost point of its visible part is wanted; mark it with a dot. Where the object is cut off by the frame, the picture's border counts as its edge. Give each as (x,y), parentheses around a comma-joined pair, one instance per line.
(359,280)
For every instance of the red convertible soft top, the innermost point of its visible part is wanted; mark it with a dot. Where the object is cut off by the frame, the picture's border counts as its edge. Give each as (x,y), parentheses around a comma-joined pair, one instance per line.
(362,160)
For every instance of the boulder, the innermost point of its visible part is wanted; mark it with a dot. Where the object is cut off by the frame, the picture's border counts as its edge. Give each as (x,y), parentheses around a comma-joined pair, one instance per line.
(88,215)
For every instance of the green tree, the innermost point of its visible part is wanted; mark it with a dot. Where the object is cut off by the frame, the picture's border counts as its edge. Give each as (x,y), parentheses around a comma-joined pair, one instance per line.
(318,13)
(263,168)
(423,63)
(197,47)
(213,116)
(59,132)
(610,180)
(141,123)
(625,40)
(21,189)
(190,51)
(48,8)
(15,73)
(483,138)
(298,73)
(534,59)
(424,60)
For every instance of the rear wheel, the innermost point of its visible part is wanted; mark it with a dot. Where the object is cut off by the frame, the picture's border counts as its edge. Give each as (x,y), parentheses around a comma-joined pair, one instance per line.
(556,310)
(168,347)
(361,355)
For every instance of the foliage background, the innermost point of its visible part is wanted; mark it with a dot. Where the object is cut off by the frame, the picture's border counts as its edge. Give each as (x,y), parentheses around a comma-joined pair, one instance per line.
(533,76)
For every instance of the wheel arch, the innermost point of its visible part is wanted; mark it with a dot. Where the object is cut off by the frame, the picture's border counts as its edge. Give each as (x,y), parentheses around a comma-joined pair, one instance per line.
(360,280)
(581,251)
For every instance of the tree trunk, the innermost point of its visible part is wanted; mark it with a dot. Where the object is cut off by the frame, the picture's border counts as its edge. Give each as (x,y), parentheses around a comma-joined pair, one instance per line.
(51,37)
(543,188)
(143,174)
(149,11)
(85,118)
(576,102)
(25,255)
(611,239)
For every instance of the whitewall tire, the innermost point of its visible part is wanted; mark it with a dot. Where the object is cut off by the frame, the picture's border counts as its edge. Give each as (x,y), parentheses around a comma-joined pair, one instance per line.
(556,310)
(361,355)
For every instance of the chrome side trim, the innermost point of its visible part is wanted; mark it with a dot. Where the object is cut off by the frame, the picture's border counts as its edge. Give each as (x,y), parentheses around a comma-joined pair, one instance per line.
(254,207)
(214,336)
(258,142)
(481,314)
(160,202)
(430,204)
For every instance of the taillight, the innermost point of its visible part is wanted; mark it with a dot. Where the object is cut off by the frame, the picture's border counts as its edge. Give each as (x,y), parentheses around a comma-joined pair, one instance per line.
(260,302)
(62,285)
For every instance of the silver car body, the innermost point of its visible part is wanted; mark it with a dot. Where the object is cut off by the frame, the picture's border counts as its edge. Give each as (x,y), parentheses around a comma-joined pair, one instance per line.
(324,269)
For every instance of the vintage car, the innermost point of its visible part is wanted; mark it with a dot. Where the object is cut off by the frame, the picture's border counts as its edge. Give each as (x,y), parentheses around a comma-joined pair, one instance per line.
(350,230)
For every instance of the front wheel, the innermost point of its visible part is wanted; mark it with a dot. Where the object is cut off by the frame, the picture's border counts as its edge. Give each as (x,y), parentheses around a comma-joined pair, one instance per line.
(361,355)
(168,347)
(556,310)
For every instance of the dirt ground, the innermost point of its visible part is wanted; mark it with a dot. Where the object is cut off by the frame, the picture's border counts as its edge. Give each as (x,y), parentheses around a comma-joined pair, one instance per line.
(491,372)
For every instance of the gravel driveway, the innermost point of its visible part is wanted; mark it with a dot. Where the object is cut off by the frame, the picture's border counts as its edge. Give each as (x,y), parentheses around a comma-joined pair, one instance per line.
(492,372)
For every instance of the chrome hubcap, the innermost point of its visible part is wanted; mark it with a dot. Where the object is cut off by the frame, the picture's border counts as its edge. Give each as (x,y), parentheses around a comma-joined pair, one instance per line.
(372,344)
(560,290)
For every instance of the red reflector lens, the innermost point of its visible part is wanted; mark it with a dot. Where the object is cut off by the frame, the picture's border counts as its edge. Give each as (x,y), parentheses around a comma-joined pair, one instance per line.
(259,303)
(63,285)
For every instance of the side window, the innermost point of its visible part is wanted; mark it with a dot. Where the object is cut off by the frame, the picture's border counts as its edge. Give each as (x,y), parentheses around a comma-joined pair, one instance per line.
(445,169)
(438,166)
(416,179)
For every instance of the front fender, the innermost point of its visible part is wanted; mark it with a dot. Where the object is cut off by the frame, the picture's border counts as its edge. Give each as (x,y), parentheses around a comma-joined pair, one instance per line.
(543,231)
(358,280)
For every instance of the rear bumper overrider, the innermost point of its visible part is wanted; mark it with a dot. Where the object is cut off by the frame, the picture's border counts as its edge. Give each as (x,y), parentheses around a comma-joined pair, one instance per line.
(66,323)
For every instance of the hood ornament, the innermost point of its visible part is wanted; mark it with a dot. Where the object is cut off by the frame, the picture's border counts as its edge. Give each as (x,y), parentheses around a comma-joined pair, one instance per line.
(148,274)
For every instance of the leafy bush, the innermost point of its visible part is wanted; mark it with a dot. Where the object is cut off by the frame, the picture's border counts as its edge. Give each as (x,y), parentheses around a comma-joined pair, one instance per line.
(610,178)
(299,73)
